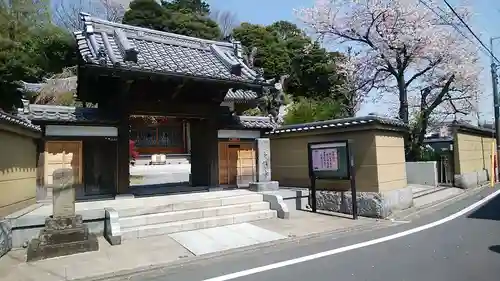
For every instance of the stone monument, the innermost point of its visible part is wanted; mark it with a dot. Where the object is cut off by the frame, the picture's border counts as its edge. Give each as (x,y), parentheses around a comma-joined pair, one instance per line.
(64,232)
(264,182)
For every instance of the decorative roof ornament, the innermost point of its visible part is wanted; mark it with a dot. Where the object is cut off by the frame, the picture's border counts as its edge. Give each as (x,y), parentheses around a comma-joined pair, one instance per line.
(101,56)
(273,98)
(250,58)
(238,49)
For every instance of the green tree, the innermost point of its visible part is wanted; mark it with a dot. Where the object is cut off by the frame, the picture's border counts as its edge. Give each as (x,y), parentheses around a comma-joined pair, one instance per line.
(305,110)
(31,48)
(282,48)
(272,54)
(314,79)
(188,6)
(185,17)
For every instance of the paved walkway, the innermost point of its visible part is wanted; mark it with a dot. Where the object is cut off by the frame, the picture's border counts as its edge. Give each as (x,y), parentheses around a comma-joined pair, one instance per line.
(161,250)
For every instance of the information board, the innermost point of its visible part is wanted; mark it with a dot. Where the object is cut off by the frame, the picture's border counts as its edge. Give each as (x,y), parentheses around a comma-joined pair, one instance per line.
(329,160)
(334,161)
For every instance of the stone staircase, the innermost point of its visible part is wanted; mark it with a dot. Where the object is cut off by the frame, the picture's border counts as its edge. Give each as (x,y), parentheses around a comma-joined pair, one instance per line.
(193,211)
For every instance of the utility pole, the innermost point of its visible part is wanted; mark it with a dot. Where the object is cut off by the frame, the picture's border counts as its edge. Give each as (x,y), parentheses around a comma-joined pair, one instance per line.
(495,100)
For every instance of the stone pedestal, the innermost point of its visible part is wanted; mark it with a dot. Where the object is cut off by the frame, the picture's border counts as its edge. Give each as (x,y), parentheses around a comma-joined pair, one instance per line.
(64,232)
(62,236)
(264,182)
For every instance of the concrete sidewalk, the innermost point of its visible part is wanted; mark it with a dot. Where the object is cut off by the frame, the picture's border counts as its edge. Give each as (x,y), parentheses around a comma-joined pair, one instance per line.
(158,251)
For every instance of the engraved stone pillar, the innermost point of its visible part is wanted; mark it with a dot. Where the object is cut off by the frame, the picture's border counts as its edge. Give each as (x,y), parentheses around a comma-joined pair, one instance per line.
(264,181)
(63,194)
(64,232)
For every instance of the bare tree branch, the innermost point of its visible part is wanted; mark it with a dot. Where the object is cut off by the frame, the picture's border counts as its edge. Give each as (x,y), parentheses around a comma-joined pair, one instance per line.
(67,12)
(227,21)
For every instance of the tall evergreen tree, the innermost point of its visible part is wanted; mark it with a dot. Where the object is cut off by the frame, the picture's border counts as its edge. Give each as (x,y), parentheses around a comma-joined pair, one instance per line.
(185,17)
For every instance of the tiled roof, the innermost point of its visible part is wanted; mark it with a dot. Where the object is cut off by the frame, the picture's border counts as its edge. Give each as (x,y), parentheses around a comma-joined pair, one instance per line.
(471,128)
(15,120)
(232,95)
(36,112)
(253,122)
(115,45)
(340,123)
(32,87)
(240,95)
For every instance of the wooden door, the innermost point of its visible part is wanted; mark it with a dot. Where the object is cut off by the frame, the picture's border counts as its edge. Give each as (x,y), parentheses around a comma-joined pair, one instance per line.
(236,163)
(63,154)
(232,162)
(223,164)
(246,163)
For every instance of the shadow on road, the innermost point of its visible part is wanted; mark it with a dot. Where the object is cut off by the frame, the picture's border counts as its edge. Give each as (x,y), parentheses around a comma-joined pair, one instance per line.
(495,248)
(489,211)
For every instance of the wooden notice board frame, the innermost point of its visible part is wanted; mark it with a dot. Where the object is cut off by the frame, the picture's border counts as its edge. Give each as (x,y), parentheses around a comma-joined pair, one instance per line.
(345,169)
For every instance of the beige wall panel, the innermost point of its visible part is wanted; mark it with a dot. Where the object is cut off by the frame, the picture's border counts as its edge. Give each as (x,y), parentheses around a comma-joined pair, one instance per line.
(17,171)
(472,153)
(390,160)
(289,159)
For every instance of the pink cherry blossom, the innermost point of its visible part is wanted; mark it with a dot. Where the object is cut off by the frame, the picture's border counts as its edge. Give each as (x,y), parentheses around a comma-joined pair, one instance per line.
(423,58)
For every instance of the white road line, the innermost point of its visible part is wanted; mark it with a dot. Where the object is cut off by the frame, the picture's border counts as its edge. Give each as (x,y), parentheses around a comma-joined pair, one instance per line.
(354,246)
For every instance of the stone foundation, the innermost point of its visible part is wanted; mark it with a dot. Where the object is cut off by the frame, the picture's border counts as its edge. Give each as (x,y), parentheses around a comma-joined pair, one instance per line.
(472,179)
(5,237)
(62,236)
(370,204)
(264,186)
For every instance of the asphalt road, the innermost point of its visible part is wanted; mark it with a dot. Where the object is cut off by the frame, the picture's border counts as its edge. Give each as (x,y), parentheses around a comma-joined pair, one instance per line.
(466,248)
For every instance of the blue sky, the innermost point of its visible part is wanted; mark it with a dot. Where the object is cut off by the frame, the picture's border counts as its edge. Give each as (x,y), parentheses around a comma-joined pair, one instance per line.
(486,23)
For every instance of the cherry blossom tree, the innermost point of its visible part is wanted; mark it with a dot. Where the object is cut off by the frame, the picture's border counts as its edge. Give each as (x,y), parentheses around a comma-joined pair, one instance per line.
(360,76)
(431,67)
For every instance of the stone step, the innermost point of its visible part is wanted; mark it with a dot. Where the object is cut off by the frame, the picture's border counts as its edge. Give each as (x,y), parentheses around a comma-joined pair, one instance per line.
(428,191)
(190,204)
(166,217)
(194,224)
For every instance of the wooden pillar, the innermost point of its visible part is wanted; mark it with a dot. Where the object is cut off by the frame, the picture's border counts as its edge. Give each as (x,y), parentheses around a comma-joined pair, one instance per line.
(122,142)
(204,153)
(213,153)
(123,158)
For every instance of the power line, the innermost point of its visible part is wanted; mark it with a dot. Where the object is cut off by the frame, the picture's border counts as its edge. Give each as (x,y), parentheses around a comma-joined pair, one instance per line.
(483,49)
(470,30)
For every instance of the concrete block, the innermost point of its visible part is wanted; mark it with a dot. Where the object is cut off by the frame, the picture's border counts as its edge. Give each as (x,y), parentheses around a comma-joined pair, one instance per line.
(423,172)
(188,225)
(5,237)
(112,231)
(130,234)
(466,180)
(233,209)
(370,204)
(278,204)
(264,186)
(242,199)
(196,204)
(254,216)
(482,177)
